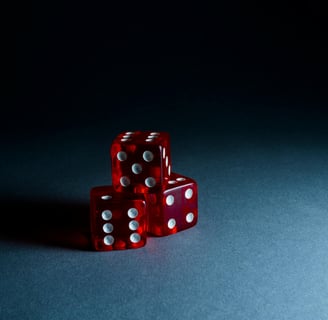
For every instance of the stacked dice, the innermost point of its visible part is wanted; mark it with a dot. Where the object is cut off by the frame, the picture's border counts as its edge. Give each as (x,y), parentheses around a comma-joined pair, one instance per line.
(145,198)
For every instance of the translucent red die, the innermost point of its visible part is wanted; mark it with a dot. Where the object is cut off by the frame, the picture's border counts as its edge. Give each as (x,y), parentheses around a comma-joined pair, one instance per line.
(118,221)
(174,208)
(140,161)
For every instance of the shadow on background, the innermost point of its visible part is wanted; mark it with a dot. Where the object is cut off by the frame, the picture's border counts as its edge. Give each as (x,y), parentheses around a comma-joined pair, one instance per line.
(45,222)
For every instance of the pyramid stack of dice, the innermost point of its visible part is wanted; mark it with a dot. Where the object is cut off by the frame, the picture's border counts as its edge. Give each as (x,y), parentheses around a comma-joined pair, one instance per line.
(145,198)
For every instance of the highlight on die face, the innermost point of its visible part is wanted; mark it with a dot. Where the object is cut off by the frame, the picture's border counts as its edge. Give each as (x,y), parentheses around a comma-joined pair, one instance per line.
(145,198)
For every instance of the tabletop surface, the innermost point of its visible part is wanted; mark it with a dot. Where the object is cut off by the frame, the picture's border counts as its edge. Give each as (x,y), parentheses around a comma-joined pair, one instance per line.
(258,250)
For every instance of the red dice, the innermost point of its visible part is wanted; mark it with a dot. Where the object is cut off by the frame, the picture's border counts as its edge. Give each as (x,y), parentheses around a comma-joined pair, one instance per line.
(145,198)
(174,208)
(141,161)
(118,221)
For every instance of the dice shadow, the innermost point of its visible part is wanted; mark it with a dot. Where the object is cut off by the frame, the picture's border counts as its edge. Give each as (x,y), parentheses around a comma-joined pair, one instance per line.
(45,222)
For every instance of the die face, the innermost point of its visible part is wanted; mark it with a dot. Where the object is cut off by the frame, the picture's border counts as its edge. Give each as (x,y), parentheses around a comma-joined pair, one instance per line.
(141,161)
(118,221)
(175,208)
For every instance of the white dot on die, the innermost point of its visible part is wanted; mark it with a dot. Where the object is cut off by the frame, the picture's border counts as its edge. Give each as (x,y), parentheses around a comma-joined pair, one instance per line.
(149,140)
(108,240)
(148,156)
(164,150)
(132,213)
(106,197)
(108,227)
(189,217)
(106,215)
(135,237)
(136,168)
(125,181)
(189,193)
(180,179)
(167,161)
(133,225)
(150,182)
(121,155)
(129,133)
(172,182)
(169,170)
(154,133)
(169,200)
(171,223)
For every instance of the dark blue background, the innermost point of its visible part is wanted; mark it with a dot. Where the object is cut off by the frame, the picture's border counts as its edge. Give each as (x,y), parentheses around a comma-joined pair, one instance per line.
(241,88)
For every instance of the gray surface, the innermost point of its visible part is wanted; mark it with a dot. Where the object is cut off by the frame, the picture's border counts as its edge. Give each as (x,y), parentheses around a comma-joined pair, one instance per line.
(259,250)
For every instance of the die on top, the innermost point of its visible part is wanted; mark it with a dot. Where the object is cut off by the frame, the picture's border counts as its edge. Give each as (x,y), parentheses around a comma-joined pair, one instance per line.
(140,161)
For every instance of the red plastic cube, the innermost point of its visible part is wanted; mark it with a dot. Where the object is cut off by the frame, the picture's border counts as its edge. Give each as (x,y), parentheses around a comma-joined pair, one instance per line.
(118,221)
(173,209)
(140,161)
